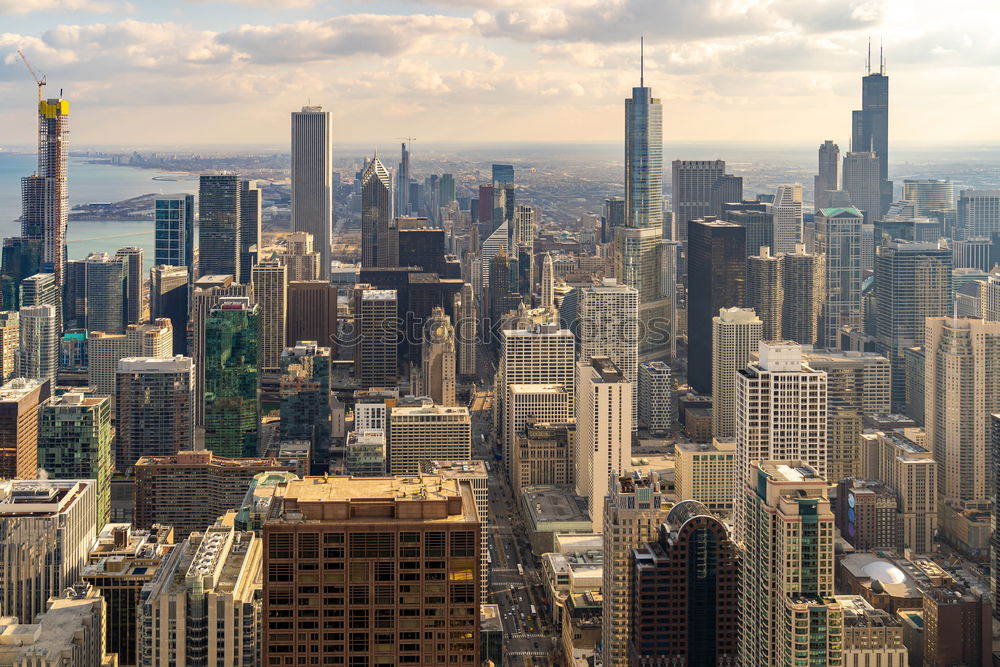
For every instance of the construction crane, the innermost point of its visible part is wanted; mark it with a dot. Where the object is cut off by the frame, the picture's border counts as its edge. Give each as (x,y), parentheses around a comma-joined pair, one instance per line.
(409,140)
(39,80)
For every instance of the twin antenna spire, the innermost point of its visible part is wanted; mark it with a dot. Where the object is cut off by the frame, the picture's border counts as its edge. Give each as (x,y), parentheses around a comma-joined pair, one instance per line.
(642,64)
(881,58)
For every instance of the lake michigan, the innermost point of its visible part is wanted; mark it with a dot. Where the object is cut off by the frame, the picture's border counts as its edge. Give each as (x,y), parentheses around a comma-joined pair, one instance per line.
(90,183)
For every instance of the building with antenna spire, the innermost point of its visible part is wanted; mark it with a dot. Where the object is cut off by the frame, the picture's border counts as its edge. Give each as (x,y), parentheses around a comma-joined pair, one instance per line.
(870,125)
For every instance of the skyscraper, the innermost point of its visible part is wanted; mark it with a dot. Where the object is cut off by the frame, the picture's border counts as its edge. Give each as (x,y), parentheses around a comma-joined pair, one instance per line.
(717,256)
(403,205)
(168,299)
(250,234)
(692,186)
(655,387)
(312,184)
(870,130)
(74,442)
(206,293)
(803,278)
(787,211)
(929,195)
(781,413)
(604,405)
(912,282)
(219,225)
(174,227)
(155,408)
(828,177)
(792,616)
(232,384)
(608,318)
(548,282)
(427,432)
(978,214)
(304,390)
(765,292)
(697,624)
(38,353)
(612,218)
(45,196)
(736,334)
(135,293)
(19,402)
(727,188)
(10,338)
(838,238)
(438,359)
(377,350)
(270,290)
(302,261)
(107,293)
(104,351)
(861,182)
(312,312)
(376,215)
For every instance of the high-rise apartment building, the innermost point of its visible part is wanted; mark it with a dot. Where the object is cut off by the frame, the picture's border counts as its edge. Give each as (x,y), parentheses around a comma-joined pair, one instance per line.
(232,377)
(48,526)
(205,607)
(104,351)
(45,195)
(302,261)
(787,211)
(270,290)
(74,442)
(466,322)
(20,399)
(312,312)
(870,130)
(173,220)
(438,359)
(736,335)
(168,299)
(655,397)
(912,282)
(838,238)
(604,431)
(803,295)
(978,214)
(400,530)
(219,225)
(376,215)
(304,391)
(717,257)
(857,385)
(765,292)
(636,506)
(828,176)
(608,321)
(377,349)
(929,196)
(155,408)
(107,293)
(38,349)
(251,206)
(861,182)
(792,617)
(781,413)
(42,289)
(692,182)
(962,364)
(190,489)
(697,623)
(10,339)
(135,291)
(402,195)
(705,472)
(427,433)
(312,180)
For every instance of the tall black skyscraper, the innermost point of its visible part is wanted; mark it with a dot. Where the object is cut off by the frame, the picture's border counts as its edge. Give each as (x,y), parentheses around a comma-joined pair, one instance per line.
(716,279)
(219,225)
(870,125)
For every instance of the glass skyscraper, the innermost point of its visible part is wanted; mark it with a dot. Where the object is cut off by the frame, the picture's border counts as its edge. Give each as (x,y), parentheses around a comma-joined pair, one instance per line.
(174,220)
(232,368)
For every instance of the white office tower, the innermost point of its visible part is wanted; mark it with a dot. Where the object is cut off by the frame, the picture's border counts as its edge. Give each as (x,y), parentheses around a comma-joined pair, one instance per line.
(548,282)
(787,212)
(928,196)
(960,391)
(302,261)
(608,319)
(787,612)
(541,354)
(978,214)
(781,408)
(550,403)
(438,359)
(861,181)
(603,431)
(736,334)
(270,289)
(525,220)
(656,386)
(838,238)
(312,184)
(48,528)
(38,352)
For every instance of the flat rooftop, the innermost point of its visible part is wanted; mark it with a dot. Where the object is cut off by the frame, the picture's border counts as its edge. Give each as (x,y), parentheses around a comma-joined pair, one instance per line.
(555,504)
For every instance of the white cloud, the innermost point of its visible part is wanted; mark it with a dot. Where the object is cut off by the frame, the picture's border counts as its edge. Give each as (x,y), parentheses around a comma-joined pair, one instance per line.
(26,6)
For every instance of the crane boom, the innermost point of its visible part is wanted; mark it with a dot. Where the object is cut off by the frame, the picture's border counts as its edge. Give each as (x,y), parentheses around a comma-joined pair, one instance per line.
(40,80)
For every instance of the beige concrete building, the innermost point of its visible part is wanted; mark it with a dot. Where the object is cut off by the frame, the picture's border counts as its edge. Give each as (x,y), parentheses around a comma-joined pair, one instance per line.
(706,472)
(427,433)
(544,454)
(736,333)
(20,399)
(534,402)
(608,320)
(10,338)
(104,351)
(438,359)
(911,471)
(270,290)
(872,637)
(204,607)
(300,258)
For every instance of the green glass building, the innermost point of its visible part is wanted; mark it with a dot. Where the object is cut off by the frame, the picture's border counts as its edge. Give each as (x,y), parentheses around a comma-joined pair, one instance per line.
(232,377)
(74,442)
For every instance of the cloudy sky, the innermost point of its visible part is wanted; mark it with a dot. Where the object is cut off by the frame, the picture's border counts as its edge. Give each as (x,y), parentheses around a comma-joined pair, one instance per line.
(190,72)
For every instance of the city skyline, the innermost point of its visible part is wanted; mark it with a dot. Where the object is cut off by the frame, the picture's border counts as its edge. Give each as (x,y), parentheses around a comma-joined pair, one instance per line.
(442,70)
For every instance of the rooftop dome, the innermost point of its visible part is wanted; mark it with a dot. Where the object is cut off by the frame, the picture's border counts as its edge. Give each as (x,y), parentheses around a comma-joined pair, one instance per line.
(884,572)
